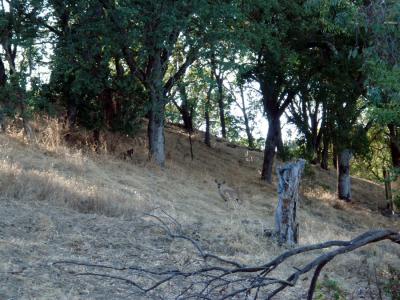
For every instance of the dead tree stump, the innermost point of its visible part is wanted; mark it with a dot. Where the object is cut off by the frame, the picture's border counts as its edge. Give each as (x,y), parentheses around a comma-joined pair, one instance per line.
(286,226)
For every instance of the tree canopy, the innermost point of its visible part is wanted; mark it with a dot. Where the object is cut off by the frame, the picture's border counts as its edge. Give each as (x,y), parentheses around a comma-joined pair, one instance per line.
(329,68)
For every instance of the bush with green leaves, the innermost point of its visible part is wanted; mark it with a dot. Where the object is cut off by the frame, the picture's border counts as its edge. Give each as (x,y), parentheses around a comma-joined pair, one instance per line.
(329,289)
(392,286)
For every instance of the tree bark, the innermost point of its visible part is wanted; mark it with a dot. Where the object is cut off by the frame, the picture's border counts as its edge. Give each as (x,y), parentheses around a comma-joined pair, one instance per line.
(325,153)
(207,137)
(221,106)
(334,157)
(3,81)
(156,132)
(279,140)
(270,146)
(388,190)
(3,76)
(286,225)
(344,183)
(250,138)
(72,112)
(185,109)
(220,82)
(394,145)
(395,154)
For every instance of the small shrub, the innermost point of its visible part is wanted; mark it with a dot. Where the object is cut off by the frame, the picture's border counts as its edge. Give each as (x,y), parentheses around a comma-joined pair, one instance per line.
(309,172)
(329,289)
(392,286)
(286,153)
(396,200)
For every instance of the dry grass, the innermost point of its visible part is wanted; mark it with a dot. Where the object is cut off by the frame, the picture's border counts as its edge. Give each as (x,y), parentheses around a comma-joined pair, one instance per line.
(51,175)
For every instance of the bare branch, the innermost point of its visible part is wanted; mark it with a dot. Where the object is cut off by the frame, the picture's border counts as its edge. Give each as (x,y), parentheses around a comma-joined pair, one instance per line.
(224,278)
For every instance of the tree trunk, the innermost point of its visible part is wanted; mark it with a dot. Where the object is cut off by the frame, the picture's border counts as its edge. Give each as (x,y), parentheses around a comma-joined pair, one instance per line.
(325,153)
(72,112)
(313,151)
(207,137)
(184,109)
(395,154)
(286,225)
(388,190)
(3,81)
(270,146)
(3,76)
(156,130)
(315,136)
(279,140)
(221,106)
(250,138)
(344,184)
(156,134)
(394,145)
(109,105)
(334,157)
(187,120)
(156,114)
(96,140)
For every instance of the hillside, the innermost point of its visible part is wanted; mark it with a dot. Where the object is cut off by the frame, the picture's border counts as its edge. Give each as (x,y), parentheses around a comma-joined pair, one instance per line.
(62,202)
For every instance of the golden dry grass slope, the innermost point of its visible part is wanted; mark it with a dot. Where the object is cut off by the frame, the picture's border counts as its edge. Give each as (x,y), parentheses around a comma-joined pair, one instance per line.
(62,201)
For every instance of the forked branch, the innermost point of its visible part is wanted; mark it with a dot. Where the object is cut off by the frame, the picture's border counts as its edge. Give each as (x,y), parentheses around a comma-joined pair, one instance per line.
(220,278)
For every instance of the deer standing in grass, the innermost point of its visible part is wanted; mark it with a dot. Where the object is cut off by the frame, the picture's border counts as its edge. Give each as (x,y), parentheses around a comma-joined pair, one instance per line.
(227,193)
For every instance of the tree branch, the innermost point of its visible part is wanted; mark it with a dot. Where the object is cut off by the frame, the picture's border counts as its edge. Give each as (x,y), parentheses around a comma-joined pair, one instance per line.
(224,278)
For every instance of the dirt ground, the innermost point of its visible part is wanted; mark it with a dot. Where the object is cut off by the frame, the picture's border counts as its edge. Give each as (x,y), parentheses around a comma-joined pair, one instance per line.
(58,203)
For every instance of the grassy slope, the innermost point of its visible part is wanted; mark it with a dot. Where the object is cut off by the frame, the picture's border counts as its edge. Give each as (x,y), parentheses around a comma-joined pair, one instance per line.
(57,202)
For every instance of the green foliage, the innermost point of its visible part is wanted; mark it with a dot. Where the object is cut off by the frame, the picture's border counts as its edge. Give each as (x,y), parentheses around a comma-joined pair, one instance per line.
(396,199)
(19,57)
(309,171)
(289,152)
(382,64)
(329,289)
(370,162)
(392,285)
(109,60)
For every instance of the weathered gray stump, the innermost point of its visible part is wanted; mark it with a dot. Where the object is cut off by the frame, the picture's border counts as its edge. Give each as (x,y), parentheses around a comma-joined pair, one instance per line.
(344,183)
(286,226)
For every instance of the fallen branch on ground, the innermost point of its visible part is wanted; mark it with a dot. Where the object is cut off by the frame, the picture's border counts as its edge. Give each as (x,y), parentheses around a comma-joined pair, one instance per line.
(220,278)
